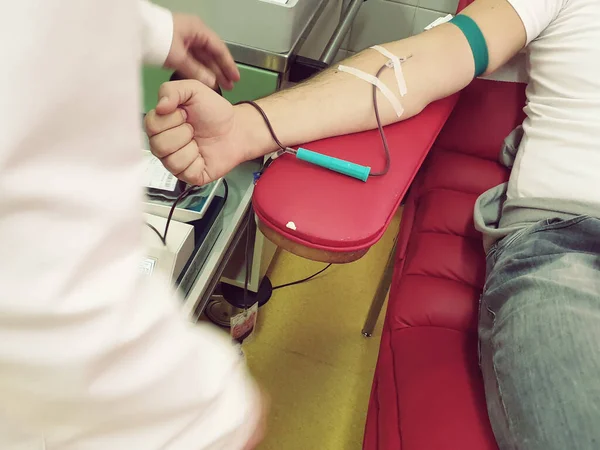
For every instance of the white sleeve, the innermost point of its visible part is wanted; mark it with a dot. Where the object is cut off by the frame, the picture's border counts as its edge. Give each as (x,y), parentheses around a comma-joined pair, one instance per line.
(157,33)
(93,356)
(536,15)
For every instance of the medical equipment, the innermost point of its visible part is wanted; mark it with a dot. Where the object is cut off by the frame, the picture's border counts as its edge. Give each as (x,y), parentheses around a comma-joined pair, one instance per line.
(395,62)
(179,232)
(348,168)
(163,189)
(243,22)
(206,232)
(182,255)
(476,41)
(167,255)
(331,163)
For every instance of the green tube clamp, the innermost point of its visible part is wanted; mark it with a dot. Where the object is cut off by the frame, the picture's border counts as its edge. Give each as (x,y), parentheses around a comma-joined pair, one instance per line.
(335,164)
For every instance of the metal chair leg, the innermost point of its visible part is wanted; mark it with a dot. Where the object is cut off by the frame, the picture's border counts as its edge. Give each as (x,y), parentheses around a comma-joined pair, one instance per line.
(380,294)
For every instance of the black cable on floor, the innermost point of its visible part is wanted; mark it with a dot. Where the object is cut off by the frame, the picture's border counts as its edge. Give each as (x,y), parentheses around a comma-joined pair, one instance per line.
(293,283)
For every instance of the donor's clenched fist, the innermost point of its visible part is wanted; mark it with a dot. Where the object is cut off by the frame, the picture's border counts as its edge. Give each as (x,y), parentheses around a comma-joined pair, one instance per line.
(194,133)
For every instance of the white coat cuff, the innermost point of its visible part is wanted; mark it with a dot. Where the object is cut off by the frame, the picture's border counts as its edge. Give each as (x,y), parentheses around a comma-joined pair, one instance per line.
(157,34)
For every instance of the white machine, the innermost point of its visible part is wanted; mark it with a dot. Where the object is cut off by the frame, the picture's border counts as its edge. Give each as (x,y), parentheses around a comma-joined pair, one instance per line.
(171,257)
(271,25)
(194,227)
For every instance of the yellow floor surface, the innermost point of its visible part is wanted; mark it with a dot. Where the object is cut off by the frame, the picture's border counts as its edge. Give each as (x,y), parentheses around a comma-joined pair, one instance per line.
(310,356)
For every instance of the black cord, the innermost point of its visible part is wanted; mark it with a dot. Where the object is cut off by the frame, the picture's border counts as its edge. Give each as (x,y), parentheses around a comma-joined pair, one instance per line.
(266,119)
(160,236)
(251,212)
(226,193)
(247,261)
(293,283)
(183,195)
(163,237)
(247,256)
(386,149)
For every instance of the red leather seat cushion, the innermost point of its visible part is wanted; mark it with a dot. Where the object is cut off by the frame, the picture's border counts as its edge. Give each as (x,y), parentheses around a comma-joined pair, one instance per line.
(427,390)
(430,395)
(336,213)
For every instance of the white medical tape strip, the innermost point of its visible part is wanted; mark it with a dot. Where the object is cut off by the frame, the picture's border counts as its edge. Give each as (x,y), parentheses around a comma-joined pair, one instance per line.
(396,64)
(438,21)
(378,83)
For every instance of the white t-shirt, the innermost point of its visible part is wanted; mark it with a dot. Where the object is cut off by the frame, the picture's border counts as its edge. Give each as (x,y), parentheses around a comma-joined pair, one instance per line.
(559,156)
(92,356)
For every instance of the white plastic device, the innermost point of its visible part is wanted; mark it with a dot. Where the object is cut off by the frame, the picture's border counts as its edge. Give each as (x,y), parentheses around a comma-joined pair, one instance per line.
(170,259)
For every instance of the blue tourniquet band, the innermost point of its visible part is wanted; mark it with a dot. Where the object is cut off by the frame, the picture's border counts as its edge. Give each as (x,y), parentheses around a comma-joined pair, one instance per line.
(476,41)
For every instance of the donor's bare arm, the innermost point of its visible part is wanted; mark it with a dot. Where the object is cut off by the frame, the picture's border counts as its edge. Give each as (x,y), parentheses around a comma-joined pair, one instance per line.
(335,103)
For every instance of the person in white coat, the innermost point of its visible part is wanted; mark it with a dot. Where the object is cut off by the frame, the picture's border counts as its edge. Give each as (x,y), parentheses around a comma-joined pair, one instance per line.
(92,355)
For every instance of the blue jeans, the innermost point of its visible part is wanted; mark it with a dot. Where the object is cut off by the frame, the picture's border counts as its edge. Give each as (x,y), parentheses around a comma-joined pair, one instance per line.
(539,336)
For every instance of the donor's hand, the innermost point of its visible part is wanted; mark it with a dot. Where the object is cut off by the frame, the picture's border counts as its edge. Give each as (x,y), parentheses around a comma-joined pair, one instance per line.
(194,132)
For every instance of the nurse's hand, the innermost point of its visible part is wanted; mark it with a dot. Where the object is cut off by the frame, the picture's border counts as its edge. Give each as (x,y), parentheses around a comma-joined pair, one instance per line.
(194,133)
(198,53)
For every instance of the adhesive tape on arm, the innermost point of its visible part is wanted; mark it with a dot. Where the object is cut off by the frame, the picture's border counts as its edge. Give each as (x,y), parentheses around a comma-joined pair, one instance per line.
(378,83)
(397,65)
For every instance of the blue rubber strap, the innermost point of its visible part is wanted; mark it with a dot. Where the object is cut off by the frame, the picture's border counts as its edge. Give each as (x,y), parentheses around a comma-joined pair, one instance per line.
(476,42)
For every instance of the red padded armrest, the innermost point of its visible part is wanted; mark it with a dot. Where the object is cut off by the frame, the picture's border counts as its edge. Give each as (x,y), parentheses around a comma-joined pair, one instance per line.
(336,213)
